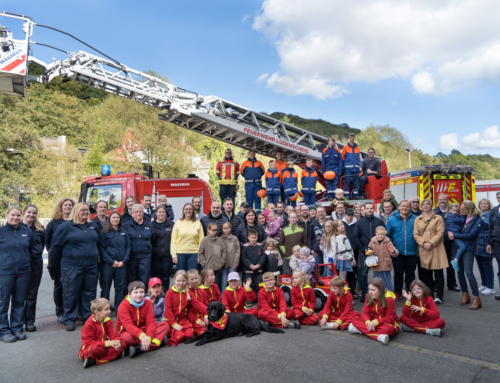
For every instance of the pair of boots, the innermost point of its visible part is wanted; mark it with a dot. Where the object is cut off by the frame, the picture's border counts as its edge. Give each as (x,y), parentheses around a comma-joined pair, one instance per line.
(476,303)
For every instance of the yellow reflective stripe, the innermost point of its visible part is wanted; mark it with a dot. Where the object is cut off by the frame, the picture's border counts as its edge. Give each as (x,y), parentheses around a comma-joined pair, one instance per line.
(156,341)
(339,322)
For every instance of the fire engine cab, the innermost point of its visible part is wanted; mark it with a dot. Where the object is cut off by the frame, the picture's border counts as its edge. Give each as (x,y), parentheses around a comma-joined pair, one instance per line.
(427,182)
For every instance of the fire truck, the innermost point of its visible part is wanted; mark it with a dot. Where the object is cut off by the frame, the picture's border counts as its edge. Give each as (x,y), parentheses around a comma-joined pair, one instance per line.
(427,182)
(207,115)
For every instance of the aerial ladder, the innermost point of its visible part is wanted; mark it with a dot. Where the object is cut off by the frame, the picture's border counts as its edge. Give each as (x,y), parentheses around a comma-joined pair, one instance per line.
(211,116)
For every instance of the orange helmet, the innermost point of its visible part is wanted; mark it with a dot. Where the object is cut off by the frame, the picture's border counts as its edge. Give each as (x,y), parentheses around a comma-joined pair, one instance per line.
(329,175)
(294,197)
(262,193)
(301,194)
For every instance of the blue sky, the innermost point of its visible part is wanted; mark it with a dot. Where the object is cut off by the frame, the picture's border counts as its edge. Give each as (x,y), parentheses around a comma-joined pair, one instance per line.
(435,79)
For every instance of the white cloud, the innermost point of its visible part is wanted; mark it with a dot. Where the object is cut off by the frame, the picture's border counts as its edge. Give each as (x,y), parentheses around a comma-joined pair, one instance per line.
(324,45)
(261,78)
(487,140)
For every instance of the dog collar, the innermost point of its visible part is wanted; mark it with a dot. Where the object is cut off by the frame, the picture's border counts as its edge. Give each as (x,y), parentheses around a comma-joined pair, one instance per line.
(221,323)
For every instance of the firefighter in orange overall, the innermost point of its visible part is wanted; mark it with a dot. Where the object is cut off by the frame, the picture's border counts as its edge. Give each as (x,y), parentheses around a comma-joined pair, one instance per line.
(227,171)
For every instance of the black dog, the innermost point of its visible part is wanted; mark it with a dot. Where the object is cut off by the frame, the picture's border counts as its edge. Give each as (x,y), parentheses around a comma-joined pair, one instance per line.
(225,325)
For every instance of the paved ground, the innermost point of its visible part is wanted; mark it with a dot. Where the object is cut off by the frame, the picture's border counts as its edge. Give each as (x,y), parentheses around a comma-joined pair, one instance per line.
(468,352)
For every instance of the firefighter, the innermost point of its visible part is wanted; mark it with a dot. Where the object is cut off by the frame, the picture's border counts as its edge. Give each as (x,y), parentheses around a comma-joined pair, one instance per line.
(331,160)
(252,171)
(227,172)
(308,179)
(273,183)
(280,165)
(352,163)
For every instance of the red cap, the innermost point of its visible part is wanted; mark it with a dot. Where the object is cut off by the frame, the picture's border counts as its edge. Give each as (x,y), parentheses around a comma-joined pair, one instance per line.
(154,281)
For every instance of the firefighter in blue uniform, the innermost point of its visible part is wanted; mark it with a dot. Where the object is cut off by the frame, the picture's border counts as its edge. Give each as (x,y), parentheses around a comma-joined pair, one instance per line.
(331,160)
(351,156)
(252,171)
(273,183)
(308,179)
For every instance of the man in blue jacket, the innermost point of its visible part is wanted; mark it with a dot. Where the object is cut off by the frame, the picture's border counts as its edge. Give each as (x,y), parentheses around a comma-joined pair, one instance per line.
(493,241)
(400,232)
(331,160)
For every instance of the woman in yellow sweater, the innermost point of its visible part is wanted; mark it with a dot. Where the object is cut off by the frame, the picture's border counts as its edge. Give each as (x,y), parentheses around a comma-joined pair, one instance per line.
(186,237)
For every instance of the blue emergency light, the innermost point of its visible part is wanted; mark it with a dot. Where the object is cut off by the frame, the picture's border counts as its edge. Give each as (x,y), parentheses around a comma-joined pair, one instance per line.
(105,170)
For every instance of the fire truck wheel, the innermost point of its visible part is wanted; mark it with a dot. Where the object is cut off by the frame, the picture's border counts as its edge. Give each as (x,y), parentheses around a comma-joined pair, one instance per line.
(288,296)
(321,298)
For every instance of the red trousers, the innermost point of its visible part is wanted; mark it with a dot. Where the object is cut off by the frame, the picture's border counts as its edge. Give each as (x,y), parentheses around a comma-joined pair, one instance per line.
(421,326)
(304,319)
(102,354)
(271,317)
(186,332)
(198,330)
(161,333)
(383,329)
(350,318)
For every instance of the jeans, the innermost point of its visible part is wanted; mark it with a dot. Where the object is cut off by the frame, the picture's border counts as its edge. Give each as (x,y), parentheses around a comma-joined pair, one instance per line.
(187,261)
(451,279)
(161,267)
(404,269)
(363,274)
(318,260)
(224,273)
(461,248)
(386,277)
(466,264)
(485,265)
(12,287)
(113,275)
(139,268)
(431,278)
(496,253)
(227,191)
(256,279)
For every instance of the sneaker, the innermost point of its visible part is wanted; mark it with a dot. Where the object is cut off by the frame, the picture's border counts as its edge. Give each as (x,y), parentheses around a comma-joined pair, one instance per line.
(488,291)
(455,265)
(294,324)
(20,336)
(133,351)
(328,326)
(249,304)
(353,330)
(383,339)
(122,355)
(482,288)
(434,331)
(89,363)
(405,328)
(497,297)
(69,327)
(438,301)
(362,299)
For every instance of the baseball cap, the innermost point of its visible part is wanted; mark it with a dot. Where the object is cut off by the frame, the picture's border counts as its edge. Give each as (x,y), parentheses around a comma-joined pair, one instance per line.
(233,277)
(154,281)
(312,207)
(349,211)
(244,204)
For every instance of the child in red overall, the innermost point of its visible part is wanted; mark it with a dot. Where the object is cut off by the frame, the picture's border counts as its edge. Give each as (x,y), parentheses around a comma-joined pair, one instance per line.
(235,296)
(303,299)
(136,323)
(338,312)
(196,292)
(380,319)
(181,309)
(100,344)
(272,305)
(420,313)
(209,286)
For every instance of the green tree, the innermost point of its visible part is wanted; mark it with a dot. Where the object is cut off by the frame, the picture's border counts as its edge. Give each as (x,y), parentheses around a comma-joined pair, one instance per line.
(95,158)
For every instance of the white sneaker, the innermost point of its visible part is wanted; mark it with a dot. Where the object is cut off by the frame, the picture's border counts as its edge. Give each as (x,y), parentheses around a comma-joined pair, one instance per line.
(482,288)
(328,326)
(488,291)
(383,339)
(353,330)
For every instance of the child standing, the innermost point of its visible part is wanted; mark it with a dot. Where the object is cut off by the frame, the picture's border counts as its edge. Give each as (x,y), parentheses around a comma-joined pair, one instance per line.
(200,325)
(420,313)
(273,257)
(157,298)
(308,179)
(455,223)
(136,323)
(253,258)
(181,309)
(290,180)
(328,246)
(383,248)
(339,197)
(234,296)
(211,290)
(303,299)
(379,319)
(273,185)
(272,305)
(100,344)
(295,258)
(212,253)
(232,253)
(338,312)
(390,198)
(307,262)
(344,253)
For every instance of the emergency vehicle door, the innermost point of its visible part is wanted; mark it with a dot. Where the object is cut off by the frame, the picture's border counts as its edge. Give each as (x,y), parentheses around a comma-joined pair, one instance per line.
(450,184)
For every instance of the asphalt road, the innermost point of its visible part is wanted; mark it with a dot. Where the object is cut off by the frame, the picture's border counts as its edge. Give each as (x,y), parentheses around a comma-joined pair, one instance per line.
(467,352)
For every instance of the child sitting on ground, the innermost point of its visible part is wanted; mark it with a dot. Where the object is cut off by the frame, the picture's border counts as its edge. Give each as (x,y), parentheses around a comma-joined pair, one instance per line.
(339,196)
(420,313)
(307,262)
(136,323)
(303,299)
(181,309)
(295,258)
(272,305)
(100,344)
(235,296)
(380,319)
(157,298)
(273,257)
(387,197)
(383,248)
(211,290)
(197,293)
(212,252)
(337,312)
(454,224)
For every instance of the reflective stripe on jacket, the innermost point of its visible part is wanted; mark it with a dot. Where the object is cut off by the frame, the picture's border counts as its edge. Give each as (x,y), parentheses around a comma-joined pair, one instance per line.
(308,180)
(273,182)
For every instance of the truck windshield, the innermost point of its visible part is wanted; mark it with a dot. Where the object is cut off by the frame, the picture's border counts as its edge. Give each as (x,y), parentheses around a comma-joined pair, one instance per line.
(112,194)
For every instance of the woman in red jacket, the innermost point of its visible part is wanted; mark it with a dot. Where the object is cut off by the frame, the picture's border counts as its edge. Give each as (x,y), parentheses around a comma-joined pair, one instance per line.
(380,319)
(181,309)
(303,299)
(235,296)
(338,312)
(420,313)
(196,292)
(209,286)
(136,323)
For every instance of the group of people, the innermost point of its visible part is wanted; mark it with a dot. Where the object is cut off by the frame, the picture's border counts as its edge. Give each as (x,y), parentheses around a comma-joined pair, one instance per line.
(282,181)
